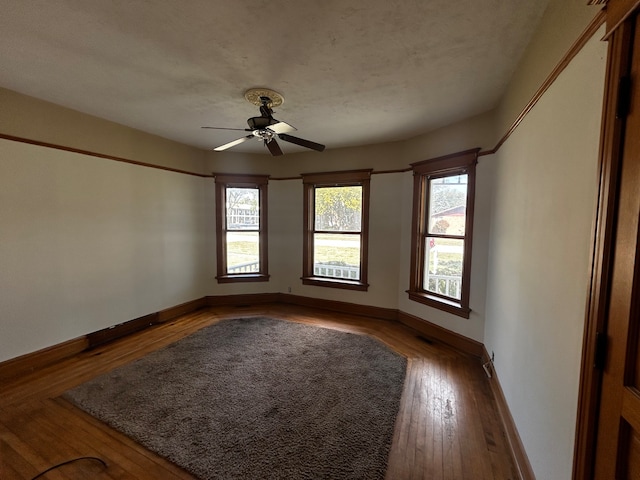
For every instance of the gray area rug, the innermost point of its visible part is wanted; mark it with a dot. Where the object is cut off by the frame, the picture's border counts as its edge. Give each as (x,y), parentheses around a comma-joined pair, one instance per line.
(258,398)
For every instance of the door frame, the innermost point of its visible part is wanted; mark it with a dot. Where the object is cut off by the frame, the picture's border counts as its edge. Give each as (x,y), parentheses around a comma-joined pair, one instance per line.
(610,156)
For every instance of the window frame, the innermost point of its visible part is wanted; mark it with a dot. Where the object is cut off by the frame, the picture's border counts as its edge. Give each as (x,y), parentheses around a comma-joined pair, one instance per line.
(335,179)
(224,181)
(449,165)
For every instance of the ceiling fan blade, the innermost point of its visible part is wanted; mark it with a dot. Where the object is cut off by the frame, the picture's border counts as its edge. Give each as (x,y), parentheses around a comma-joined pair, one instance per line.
(282,127)
(222,128)
(274,148)
(233,144)
(301,141)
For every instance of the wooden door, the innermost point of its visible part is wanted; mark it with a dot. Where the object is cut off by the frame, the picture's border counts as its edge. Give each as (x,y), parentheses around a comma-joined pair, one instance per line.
(618,425)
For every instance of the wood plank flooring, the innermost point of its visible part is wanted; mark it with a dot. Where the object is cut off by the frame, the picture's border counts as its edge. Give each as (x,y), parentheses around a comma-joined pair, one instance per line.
(447,427)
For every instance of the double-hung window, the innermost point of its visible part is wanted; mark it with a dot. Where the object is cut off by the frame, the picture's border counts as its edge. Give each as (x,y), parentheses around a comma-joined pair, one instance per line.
(442,231)
(241,228)
(336,222)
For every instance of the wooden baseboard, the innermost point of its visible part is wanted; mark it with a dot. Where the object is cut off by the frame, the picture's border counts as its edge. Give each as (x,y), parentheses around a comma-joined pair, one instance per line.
(114,332)
(342,307)
(443,335)
(182,309)
(127,328)
(241,300)
(30,362)
(513,437)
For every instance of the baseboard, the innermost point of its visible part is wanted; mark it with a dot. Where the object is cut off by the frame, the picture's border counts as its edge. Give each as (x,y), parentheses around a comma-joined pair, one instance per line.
(30,362)
(33,361)
(132,326)
(115,332)
(182,309)
(342,307)
(518,452)
(443,335)
(241,300)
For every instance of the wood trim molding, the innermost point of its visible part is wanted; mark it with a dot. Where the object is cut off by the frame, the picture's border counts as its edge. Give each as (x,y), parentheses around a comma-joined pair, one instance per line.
(618,11)
(513,437)
(98,155)
(384,172)
(342,176)
(373,172)
(127,328)
(112,333)
(584,37)
(431,330)
(601,255)
(30,362)
(241,300)
(337,306)
(182,309)
(241,179)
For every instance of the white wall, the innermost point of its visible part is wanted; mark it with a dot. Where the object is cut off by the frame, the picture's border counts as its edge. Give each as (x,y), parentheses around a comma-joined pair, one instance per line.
(543,208)
(88,243)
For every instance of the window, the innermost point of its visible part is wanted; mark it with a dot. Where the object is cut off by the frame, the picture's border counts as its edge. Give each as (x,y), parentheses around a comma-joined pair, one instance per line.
(241,228)
(336,219)
(443,196)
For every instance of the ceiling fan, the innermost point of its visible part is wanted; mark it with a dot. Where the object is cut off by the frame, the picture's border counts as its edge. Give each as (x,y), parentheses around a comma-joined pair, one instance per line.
(265,127)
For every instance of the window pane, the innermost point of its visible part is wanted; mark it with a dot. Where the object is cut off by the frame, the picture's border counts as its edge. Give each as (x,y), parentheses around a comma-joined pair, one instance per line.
(243,208)
(443,266)
(338,209)
(336,256)
(448,205)
(243,253)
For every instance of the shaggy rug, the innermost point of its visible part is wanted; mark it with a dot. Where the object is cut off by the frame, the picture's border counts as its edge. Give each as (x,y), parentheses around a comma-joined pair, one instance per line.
(258,398)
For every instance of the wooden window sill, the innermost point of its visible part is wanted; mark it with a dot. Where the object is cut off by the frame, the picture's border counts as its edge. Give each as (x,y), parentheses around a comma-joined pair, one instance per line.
(445,305)
(251,277)
(335,283)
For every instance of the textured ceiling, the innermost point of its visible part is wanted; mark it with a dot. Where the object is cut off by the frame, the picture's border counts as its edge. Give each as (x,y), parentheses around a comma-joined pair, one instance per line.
(352,72)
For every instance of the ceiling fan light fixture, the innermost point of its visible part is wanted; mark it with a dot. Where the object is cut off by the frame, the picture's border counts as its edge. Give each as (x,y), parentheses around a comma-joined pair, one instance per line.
(264,134)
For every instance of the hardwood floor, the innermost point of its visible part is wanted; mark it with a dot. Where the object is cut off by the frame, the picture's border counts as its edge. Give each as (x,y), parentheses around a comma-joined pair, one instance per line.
(447,427)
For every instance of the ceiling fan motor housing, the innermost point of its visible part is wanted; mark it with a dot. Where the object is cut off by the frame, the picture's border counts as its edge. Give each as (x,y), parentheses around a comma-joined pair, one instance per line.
(260,123)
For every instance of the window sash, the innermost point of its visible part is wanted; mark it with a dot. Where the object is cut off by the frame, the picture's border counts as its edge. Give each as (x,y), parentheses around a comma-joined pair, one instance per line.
(325,265)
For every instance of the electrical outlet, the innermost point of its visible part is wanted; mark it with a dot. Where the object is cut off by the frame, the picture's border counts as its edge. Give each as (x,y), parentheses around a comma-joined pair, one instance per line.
(289,289)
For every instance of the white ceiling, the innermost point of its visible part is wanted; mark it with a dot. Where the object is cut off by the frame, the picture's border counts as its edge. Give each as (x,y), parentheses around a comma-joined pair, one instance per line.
(352,72)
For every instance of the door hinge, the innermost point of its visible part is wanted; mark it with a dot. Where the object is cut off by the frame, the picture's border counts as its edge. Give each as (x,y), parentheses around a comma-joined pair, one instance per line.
(600,355)
(624,97)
